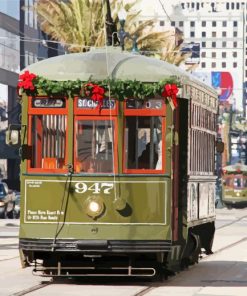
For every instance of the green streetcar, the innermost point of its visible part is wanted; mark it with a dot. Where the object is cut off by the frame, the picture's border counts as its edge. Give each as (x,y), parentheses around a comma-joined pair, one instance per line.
(234,185)
(118,166)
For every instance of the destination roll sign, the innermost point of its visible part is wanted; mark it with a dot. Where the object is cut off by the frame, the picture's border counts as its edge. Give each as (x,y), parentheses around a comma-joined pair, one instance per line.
(48,103)
(87,103)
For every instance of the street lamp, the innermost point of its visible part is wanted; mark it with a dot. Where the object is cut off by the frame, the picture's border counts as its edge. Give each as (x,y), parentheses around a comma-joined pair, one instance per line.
(122,15)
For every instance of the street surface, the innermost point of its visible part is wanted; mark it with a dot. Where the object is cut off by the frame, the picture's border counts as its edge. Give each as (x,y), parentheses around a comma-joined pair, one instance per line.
(223,273)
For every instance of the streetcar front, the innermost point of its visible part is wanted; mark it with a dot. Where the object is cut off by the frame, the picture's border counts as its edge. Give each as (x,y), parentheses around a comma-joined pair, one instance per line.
(234,185)
(95,188)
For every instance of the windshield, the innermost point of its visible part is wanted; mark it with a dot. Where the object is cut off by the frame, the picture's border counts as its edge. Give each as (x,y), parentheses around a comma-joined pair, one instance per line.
(94,146)
(235,181)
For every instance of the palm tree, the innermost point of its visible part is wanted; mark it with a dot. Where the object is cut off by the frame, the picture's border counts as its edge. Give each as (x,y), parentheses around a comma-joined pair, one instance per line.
(80,24)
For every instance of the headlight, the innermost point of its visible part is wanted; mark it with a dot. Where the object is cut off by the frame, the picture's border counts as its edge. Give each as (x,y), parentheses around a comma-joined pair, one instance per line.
(94,206)
(1,203)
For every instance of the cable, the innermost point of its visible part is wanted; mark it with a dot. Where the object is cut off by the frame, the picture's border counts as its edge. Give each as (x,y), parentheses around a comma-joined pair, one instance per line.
(111,121)
(165,11)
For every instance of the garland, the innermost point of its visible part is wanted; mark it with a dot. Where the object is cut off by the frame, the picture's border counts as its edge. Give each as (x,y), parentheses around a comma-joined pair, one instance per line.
(32,84)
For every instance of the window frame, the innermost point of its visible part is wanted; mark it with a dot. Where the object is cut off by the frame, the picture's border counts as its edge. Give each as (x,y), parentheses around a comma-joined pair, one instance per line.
(142,113)
(47,111)
(81,117)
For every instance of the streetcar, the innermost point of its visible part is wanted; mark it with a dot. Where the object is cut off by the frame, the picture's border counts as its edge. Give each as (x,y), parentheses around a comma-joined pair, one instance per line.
(234,185)
(117,166)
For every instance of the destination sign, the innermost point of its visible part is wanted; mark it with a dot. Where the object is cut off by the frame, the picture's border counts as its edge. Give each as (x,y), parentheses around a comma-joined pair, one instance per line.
(86,103)
(141,104)
(48,103)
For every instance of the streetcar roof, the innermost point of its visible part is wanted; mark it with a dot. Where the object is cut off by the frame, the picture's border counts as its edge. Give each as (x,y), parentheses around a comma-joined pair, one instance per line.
(100,64)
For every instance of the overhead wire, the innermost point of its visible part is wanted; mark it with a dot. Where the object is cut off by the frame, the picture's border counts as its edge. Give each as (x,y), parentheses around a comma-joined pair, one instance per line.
(110,109)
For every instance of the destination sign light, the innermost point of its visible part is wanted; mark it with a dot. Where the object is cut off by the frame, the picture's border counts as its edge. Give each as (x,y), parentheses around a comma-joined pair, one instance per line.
(141,104)
(48,103)
(86,103)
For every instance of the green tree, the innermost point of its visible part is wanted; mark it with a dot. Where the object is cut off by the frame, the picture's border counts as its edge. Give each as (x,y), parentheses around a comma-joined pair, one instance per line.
(80,24)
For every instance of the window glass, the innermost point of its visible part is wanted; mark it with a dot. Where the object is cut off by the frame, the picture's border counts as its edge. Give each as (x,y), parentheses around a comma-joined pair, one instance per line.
(11,8)
(9,51)
(143,142)
(48,141)
(94,146)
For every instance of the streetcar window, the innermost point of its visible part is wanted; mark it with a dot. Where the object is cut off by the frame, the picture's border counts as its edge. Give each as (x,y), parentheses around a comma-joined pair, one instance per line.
(48,140)
(143,143)
(94,146)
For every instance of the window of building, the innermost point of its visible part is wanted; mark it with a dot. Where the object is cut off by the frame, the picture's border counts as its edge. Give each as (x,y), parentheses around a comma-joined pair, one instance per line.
(223,54)
(235,34)
(232,5)
(11,8)
(192,24)
(224,24)
(192,34)
(180,24)
(162,23)
(235,44)
(213,65)
(203,44)
(223,34)
(223,64)
(235,65)
(203,34)
(213,23)
(9,51)
(213,54)
(234,54)
(238,5)
(235,23)
(245,73)
(213,34)
(224,44)
(203,23)
(213,44)
(203,54)
(203,65)
(173,24)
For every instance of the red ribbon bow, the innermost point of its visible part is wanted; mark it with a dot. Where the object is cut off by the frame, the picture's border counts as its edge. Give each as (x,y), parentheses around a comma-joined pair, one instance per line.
(96,92)
(26,81)
(171,90)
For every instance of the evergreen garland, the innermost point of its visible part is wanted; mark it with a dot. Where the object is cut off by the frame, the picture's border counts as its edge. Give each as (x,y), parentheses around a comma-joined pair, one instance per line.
(118,89)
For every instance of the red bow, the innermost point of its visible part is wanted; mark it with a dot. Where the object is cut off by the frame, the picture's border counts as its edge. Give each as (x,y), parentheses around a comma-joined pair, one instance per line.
(96,92)
(26,81)
(171,90)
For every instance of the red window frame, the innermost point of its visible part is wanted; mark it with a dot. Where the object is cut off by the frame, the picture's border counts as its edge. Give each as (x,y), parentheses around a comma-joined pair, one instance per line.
(140,113)
(46,111)
(115,134)
(95,111)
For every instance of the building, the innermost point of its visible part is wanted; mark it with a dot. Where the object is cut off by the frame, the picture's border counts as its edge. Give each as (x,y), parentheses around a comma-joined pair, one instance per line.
(21,44)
